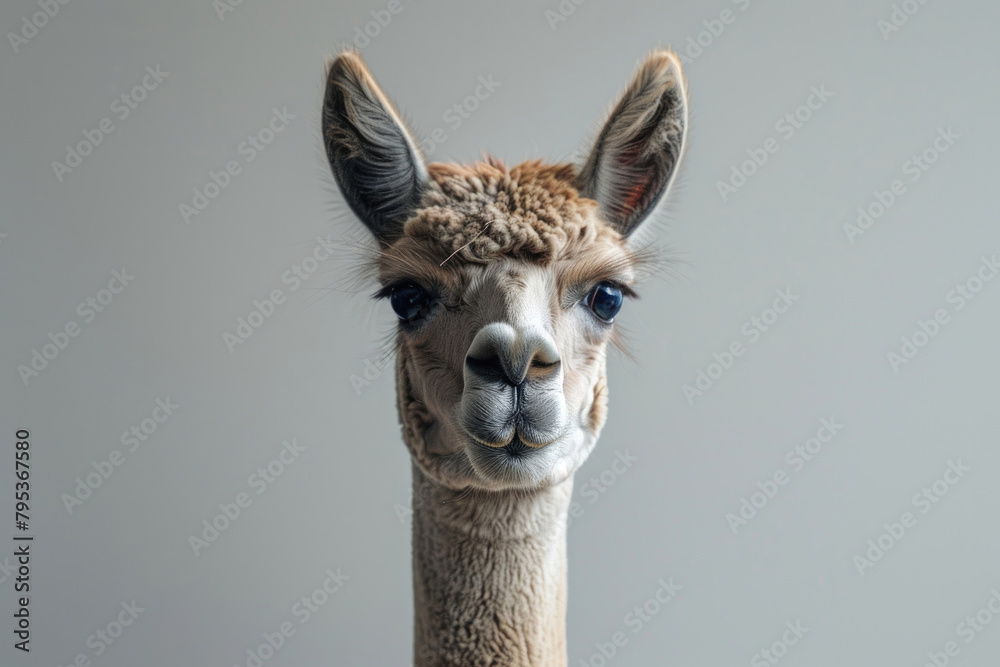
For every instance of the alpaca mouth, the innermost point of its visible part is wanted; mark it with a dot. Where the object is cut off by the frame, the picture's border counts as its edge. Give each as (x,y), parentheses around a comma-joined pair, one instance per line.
(516,448)
(514,465)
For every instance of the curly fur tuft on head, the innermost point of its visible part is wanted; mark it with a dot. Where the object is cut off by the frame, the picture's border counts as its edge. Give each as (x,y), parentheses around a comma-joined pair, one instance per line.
(485,211)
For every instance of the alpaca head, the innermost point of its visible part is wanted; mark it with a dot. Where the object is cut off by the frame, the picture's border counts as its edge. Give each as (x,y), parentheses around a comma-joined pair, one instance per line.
(506,281)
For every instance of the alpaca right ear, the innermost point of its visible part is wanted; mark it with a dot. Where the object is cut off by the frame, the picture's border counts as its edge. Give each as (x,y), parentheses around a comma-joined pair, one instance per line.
(374,159)
(635,157)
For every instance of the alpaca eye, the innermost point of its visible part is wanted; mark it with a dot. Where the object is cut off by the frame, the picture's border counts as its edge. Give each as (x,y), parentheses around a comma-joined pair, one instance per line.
(605,300)
(409,301)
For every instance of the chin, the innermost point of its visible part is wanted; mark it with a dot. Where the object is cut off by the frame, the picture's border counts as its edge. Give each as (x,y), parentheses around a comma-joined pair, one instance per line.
(518,466)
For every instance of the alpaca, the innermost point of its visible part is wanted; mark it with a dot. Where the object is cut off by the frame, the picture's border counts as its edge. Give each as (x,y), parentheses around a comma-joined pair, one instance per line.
(506,283)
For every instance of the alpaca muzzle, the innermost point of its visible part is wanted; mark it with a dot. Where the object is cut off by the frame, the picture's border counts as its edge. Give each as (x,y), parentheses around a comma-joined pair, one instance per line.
(513,388)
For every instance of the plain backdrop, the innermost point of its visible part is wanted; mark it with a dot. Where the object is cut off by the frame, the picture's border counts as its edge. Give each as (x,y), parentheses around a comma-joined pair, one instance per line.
(894,87)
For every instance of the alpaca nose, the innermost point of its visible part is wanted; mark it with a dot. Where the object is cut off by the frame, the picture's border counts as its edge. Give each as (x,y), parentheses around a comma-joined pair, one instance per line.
(501,353)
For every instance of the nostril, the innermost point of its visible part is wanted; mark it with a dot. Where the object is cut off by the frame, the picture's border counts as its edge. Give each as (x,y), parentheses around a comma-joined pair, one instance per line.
(545,355)
(540,367)
(499,353)
(487,367)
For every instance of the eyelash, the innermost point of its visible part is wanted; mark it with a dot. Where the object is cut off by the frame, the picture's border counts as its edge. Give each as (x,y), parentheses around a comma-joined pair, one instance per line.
(579,293)
(625,289)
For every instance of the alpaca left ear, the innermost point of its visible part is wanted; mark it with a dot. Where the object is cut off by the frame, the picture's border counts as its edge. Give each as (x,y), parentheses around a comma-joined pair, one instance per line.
(636,154)
(374,158)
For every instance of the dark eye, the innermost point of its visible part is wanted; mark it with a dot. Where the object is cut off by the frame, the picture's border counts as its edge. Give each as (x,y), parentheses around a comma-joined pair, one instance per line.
(605,300)
(409,301)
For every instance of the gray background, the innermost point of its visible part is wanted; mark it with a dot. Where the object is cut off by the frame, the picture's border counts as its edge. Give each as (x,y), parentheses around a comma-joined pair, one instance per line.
(341,504)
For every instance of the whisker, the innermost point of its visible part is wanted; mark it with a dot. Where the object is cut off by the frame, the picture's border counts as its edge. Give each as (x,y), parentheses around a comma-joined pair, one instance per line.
(467,244)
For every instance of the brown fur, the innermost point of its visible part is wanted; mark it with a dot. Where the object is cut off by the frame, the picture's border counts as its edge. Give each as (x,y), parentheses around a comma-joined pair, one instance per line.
(484,211)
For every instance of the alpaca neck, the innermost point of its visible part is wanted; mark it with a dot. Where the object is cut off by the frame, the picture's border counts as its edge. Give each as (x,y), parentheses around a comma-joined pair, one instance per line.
(489,576)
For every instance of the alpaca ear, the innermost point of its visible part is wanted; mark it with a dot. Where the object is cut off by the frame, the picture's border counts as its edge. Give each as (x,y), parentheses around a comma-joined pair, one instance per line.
(374,159)
(636,154)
